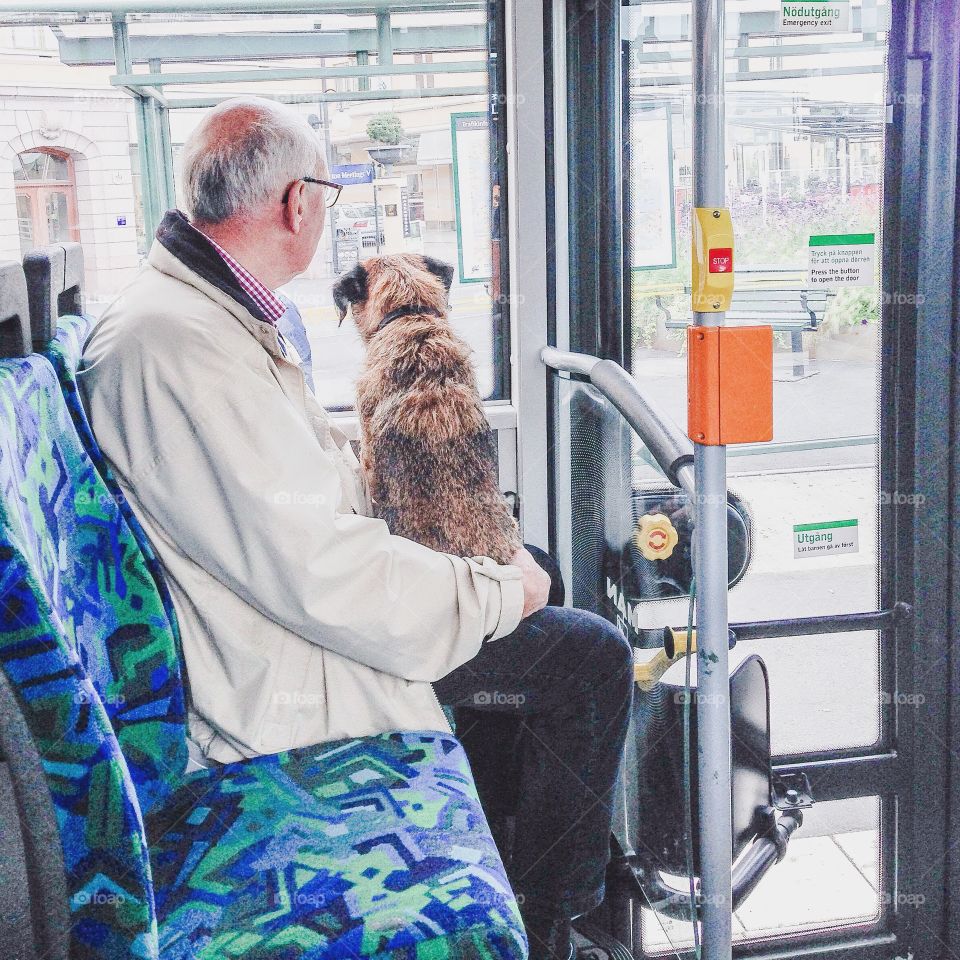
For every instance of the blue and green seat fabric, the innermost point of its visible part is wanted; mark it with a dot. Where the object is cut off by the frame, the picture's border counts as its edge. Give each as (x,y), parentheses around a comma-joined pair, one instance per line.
(375,847)
(82,643)
(64,352)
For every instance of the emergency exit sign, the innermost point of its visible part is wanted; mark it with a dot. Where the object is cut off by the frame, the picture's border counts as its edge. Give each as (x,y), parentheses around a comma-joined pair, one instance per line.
(831,16)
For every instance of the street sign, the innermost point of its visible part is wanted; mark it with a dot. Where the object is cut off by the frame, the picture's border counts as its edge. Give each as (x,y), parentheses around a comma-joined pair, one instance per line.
(349,173)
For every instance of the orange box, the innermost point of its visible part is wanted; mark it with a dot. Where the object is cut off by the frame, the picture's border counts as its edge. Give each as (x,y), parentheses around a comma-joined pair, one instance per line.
(729,384)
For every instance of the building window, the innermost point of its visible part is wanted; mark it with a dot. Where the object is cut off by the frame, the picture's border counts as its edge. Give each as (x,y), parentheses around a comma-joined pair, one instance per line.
(46,198)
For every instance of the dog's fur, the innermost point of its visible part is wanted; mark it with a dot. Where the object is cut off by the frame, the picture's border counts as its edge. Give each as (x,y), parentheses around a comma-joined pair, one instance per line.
(427,451)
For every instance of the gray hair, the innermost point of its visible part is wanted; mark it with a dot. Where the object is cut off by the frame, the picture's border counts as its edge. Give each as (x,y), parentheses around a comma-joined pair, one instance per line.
(245,153)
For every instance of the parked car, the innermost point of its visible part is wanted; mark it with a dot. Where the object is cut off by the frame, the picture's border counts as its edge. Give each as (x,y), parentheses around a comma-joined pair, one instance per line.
(362,218)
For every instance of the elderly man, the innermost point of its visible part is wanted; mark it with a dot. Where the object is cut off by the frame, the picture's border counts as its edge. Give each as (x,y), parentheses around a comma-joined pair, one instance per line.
(303,619)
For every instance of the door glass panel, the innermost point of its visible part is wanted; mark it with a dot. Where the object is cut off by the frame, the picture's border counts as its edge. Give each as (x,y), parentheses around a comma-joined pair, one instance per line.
(58,216)
(804,126)
(829,879)
(25,222)
(804,158)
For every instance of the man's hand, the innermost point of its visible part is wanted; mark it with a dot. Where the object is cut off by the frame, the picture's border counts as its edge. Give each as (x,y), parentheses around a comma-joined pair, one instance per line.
(536,582)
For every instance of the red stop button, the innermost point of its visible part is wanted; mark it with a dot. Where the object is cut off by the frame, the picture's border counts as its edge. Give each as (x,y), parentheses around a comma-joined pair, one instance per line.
(721,260)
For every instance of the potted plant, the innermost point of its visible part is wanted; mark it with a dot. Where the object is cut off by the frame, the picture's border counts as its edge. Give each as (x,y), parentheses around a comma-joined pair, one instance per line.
(387,129)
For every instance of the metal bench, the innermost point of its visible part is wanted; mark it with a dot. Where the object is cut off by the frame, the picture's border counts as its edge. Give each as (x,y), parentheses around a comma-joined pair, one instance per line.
(774,297)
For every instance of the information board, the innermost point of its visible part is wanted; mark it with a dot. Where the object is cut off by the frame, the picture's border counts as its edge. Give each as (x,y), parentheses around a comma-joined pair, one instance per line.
(470,138)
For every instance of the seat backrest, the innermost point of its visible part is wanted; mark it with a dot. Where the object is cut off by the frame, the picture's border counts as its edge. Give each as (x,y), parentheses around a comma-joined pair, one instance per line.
(14,315)
(64,352)
(109,891)
(89,569)
(54,581)
(60,338)
(54,277)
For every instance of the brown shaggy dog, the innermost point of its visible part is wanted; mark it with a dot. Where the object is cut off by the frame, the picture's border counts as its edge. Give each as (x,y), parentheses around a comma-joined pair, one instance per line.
(426,448)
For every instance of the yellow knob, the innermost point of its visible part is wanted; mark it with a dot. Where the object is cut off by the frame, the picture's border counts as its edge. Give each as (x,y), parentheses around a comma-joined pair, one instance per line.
(656,536)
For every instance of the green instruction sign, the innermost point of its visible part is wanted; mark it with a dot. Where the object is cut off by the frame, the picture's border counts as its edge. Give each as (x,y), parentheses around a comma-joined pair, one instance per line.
(842,260)
(832,16)
(828,537)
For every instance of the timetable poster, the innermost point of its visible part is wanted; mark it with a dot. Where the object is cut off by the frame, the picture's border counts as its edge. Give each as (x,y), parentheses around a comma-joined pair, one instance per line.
(470,136)
(651,190)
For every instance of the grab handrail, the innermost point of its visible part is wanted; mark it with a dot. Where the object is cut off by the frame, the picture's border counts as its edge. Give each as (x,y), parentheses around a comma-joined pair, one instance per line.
(667,443)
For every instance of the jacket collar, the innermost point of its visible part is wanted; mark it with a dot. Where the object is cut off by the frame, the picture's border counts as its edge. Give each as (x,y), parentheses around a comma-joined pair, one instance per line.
(185,253)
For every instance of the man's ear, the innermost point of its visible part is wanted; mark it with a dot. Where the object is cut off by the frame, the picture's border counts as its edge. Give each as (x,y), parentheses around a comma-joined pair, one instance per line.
(292,205)
(349,289)
(440,269)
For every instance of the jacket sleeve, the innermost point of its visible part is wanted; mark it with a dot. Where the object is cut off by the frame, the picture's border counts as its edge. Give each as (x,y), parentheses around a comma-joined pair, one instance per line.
(234,475)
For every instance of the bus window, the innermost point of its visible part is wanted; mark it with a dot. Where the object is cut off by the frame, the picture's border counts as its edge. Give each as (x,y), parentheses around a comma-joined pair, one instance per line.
(409,118)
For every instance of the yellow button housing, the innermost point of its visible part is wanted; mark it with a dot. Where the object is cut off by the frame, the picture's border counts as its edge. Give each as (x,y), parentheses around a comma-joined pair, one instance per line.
(712,240)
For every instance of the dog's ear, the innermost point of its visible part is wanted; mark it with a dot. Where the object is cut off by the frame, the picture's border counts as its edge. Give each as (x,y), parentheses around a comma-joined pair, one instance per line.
(440,269)
(350,288)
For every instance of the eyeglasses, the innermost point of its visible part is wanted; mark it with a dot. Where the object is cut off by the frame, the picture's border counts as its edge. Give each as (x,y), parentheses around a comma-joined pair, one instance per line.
(330,195)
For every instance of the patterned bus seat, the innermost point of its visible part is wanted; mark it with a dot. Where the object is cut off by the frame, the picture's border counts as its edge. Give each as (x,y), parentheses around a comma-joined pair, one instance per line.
(375,847)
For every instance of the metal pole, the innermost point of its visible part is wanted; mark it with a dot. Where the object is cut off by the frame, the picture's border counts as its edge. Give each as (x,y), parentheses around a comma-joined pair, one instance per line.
(384,45)
(121,42)
(328,149)
(384,38)
(710,556)
(165,147)
(153,179)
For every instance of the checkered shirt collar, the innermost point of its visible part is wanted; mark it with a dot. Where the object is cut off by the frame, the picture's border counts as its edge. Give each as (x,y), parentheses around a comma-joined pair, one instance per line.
(270,304)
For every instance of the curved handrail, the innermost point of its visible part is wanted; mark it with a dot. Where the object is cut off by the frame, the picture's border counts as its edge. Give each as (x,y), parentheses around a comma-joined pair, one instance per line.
(669,445)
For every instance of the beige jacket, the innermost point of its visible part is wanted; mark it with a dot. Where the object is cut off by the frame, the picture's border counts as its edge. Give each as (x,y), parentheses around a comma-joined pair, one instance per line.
(303,619)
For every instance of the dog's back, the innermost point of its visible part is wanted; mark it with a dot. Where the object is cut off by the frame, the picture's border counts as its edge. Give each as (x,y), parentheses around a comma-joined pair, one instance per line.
(428,453)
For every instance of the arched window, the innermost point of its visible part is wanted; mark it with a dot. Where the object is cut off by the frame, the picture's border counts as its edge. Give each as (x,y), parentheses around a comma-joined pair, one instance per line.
(46,198)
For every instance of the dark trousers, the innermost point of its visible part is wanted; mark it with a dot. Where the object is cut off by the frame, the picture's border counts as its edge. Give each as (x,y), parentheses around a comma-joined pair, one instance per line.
(542,714)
